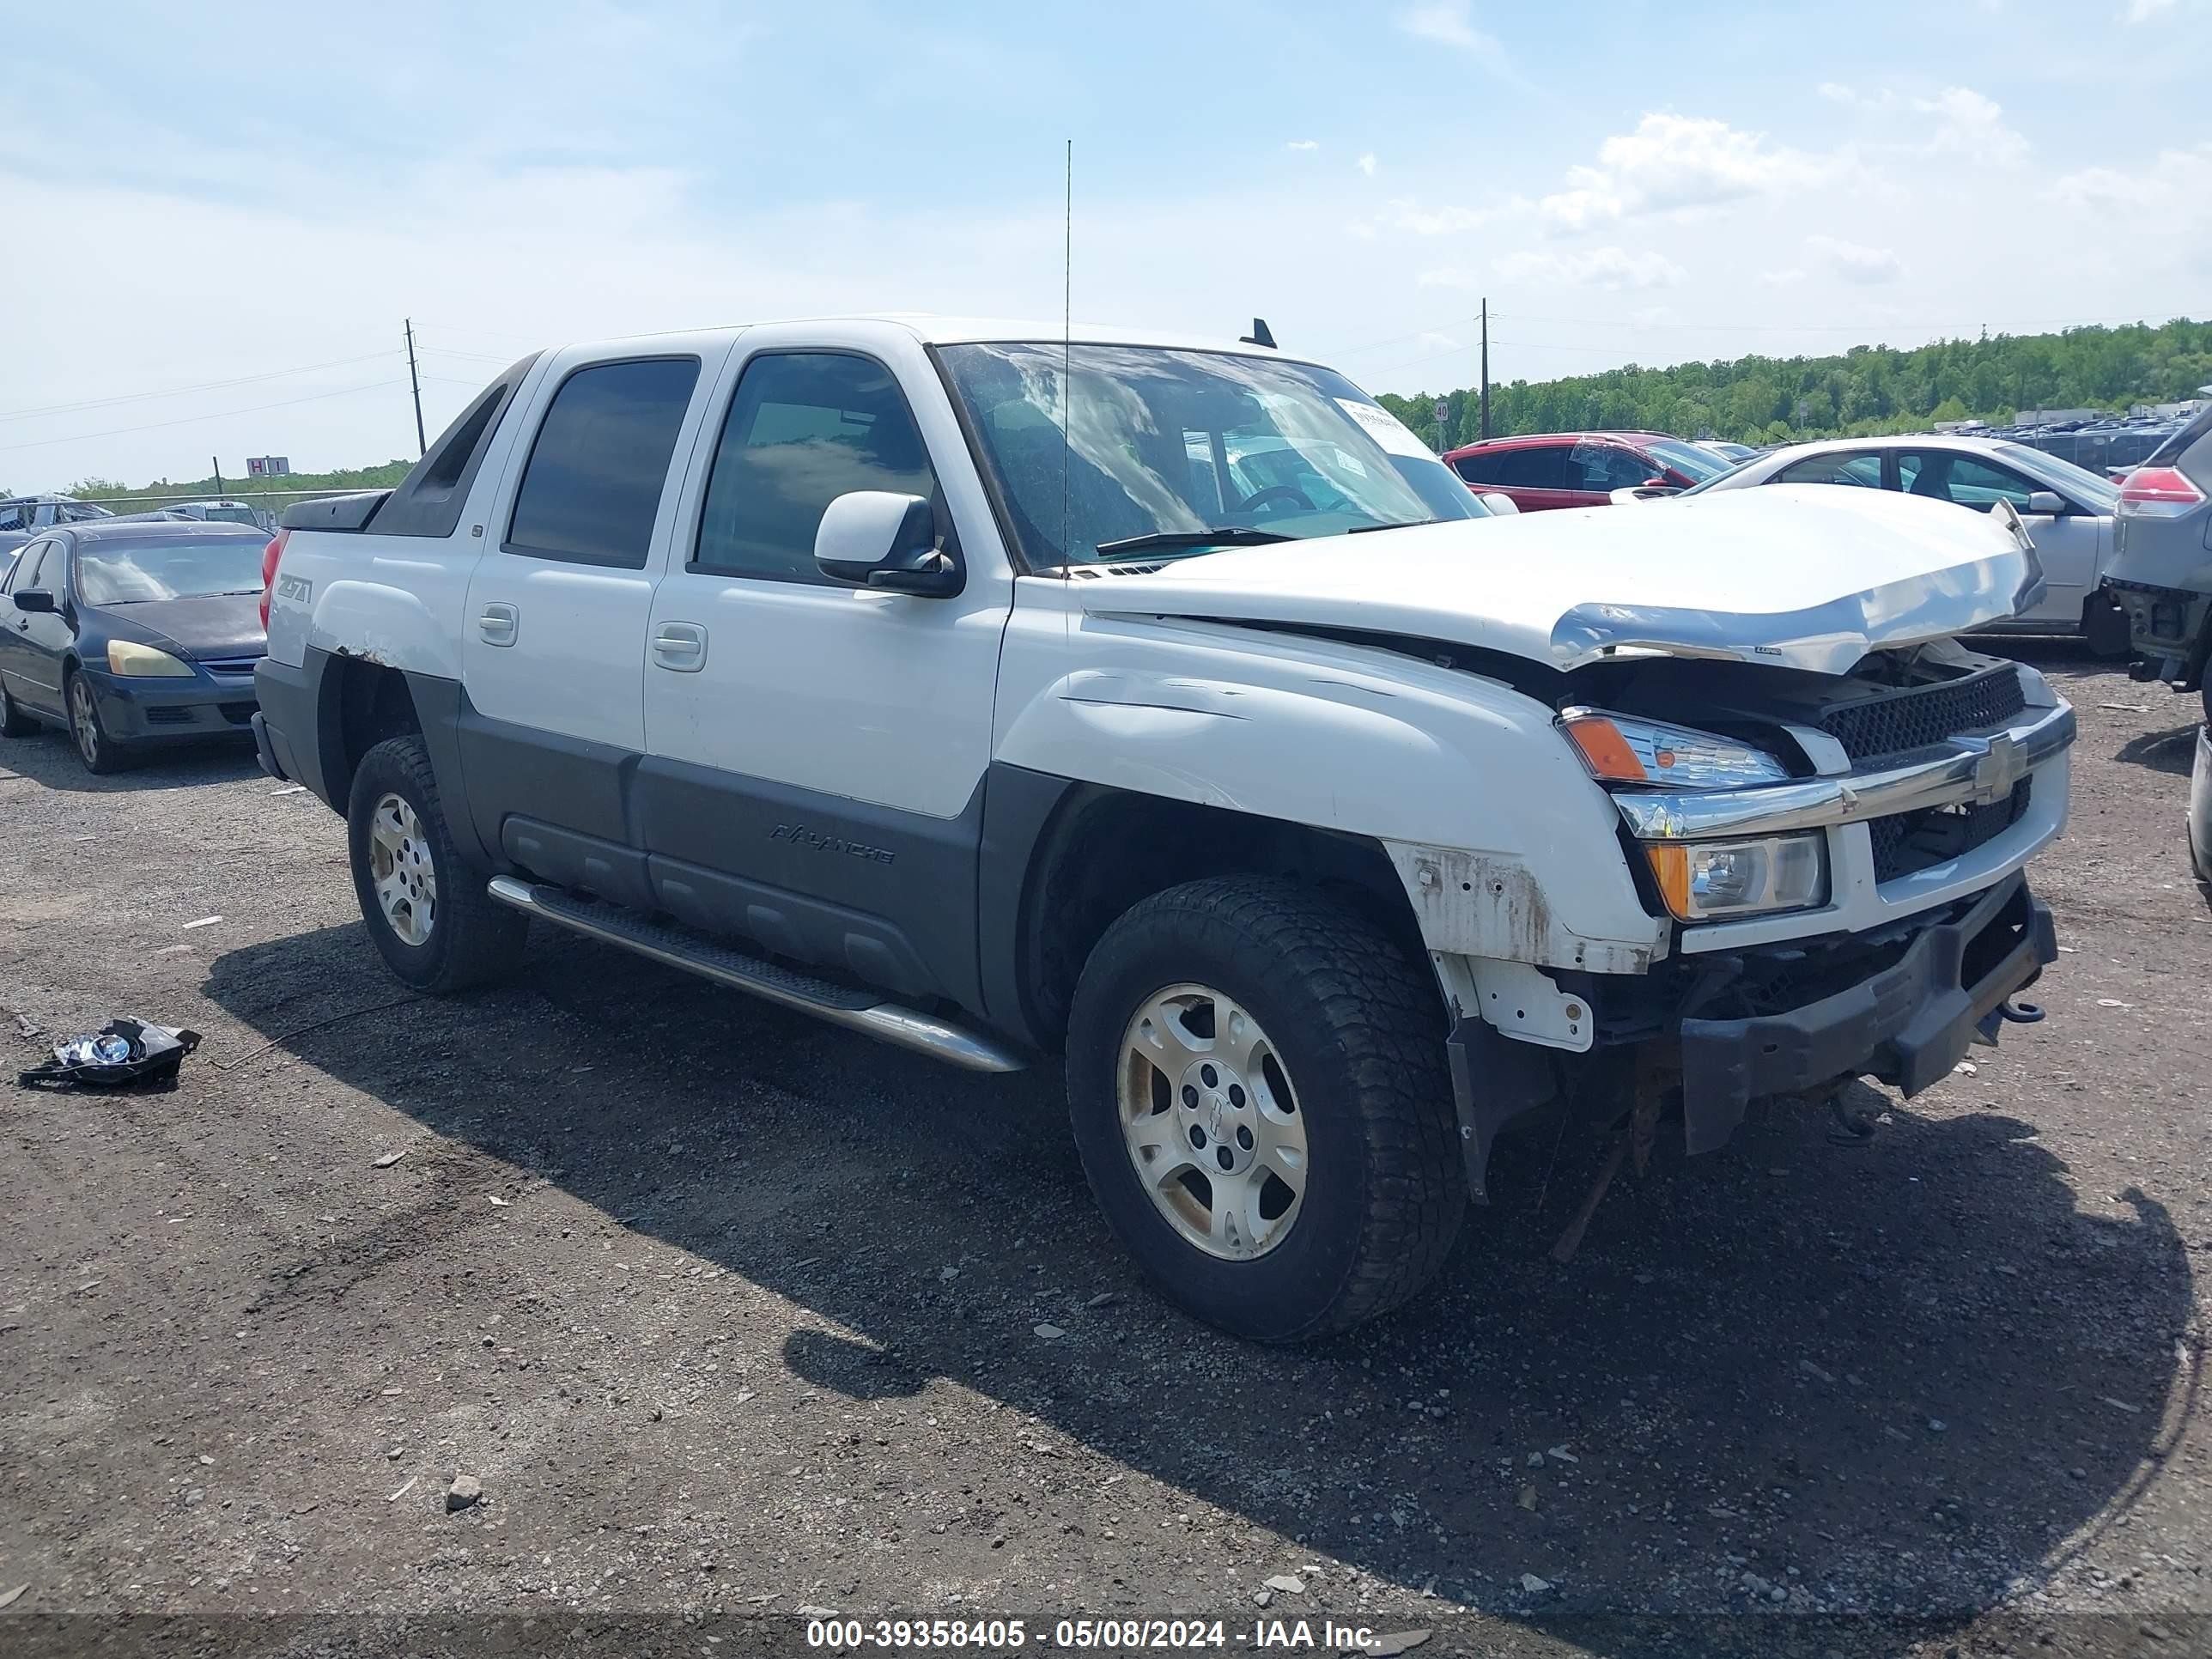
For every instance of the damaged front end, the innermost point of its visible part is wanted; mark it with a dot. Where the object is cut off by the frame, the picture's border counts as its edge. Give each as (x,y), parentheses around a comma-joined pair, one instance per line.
(1923,782)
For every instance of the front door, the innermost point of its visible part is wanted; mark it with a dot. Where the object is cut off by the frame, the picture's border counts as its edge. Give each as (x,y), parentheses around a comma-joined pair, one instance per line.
(816,752)
(31,642)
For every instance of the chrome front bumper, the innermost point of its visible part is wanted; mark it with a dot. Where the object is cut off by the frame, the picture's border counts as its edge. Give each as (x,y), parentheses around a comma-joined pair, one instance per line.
(1960,771)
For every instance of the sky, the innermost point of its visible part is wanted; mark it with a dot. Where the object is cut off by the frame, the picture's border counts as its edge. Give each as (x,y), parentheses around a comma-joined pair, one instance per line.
(222,216)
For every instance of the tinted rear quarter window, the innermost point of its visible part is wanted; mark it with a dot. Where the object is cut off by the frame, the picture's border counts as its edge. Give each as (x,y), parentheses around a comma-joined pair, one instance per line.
(591,486)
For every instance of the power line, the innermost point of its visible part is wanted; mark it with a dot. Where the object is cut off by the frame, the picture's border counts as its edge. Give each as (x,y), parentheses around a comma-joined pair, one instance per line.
(195,420)
(179,392)
(473,357)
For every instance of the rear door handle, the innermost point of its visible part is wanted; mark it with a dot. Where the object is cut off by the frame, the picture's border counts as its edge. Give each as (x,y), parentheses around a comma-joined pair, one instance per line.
(680,647)
(499,624)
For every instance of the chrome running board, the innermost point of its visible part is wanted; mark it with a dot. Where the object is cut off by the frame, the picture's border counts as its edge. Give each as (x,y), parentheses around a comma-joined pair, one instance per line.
(679,947)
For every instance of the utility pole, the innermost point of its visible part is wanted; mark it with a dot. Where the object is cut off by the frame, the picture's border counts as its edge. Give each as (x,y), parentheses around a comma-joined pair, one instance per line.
(421,444)
(1485,367)
(216,461)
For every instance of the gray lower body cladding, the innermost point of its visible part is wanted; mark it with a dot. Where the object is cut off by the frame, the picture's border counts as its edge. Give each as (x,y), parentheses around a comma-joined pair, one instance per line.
(1920,1003)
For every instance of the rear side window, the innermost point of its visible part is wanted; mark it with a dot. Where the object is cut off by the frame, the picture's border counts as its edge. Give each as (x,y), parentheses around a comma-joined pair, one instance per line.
(430,499)
(804,427)
(1853,468)
(591,486)
(1537,466)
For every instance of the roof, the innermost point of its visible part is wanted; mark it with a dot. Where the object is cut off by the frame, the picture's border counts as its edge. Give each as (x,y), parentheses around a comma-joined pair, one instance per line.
(168,530)
(933,329)
(1521,438)
(1965,443)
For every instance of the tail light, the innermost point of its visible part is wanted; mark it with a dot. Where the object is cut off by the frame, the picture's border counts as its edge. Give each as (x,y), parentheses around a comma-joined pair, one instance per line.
(270,556)
(2159,492)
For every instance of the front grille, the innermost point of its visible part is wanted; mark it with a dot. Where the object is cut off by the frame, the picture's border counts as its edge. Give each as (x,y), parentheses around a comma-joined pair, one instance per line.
(1914,719)
(172,715)
(1907,843)
(231,668)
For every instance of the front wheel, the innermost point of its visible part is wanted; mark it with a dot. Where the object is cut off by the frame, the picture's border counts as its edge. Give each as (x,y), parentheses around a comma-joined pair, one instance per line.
(1256,1075)
(429,914)
(99,752)
(14,722)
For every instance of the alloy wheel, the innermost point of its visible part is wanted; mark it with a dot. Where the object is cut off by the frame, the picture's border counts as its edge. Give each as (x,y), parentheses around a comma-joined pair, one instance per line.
(1212,1124)
(401,872)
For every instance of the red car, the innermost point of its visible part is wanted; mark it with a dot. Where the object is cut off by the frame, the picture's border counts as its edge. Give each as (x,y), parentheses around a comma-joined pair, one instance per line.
(1581,469)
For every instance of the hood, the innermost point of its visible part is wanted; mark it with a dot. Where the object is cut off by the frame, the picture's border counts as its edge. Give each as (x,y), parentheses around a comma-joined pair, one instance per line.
(1807,576)
(211,629)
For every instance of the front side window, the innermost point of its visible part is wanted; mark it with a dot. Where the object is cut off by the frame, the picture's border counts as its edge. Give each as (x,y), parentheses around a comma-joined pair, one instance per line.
(591,486)
(25,575)
(134,571)
(803,428)
(1692,461)
(1166,453)
(1607,466)
(1961,479)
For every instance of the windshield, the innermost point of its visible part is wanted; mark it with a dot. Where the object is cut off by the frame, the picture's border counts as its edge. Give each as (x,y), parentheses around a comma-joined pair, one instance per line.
(1693,463)
(2079,482)
(132,572)
(1176,444)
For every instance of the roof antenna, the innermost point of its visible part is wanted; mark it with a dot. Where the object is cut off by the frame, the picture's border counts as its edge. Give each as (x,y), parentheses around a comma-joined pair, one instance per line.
(1260,336)
(1067,360)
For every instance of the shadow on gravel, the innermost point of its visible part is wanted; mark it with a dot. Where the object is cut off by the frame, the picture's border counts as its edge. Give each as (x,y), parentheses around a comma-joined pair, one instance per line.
(48,758)
(1895,1377)
(2172,752)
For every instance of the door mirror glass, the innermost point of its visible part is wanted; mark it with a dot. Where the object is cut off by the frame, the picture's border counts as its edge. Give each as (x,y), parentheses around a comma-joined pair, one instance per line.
(35,601)
(2046,500)
(1659,483)
(878,538)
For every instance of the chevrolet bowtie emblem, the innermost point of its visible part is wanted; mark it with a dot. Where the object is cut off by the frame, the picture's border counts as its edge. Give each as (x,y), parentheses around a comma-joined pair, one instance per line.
(1997,772)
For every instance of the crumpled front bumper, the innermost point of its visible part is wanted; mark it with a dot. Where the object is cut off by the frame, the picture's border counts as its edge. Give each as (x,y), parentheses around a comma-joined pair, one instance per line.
(1907,1024)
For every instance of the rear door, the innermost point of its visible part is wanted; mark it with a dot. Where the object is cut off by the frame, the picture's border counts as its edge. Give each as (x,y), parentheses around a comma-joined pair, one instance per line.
(553,634)
(816,752)
(2066,544)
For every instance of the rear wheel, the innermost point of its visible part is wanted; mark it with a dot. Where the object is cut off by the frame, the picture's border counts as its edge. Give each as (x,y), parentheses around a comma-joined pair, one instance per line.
(14,722)
(1256,1075)
(99,752)
(429,914)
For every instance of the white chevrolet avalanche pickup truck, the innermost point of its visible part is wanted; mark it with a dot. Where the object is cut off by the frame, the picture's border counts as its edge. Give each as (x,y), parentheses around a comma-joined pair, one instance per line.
(1169,706)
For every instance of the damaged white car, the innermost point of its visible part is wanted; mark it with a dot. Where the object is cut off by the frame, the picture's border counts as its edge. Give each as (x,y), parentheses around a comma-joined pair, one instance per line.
(961,684)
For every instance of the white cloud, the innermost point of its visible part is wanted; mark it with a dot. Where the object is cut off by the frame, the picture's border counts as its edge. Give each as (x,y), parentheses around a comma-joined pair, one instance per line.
(1788,276)
(1971,125)
(1854,262)
(1677,162)
(1366,164)
(1303,144)
(1836,93)
(2142,11)
(2165,206)
(1452,23)
(1597,267)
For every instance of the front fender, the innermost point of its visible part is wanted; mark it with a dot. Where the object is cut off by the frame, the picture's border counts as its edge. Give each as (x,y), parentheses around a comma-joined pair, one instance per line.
(1445,770)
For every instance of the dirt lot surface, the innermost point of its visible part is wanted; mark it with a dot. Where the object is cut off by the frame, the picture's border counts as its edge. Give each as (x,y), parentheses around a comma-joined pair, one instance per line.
(733,1315)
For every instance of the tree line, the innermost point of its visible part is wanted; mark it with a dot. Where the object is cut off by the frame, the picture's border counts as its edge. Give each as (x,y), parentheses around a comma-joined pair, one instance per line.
(1867,390)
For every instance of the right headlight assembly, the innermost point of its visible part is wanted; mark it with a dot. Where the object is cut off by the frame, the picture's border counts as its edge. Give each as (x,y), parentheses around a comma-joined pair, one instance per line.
(1703,880)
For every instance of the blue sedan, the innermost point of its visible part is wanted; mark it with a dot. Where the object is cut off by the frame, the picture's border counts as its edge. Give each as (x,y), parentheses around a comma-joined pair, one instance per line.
(132,635)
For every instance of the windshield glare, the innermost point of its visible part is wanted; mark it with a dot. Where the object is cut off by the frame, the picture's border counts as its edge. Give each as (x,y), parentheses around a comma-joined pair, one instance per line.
(133,571)
(1168,442)
(1692,463)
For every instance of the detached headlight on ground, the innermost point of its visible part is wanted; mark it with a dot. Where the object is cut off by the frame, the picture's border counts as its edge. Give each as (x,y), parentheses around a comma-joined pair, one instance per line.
(143,662)
(1619,748)
(1713,880)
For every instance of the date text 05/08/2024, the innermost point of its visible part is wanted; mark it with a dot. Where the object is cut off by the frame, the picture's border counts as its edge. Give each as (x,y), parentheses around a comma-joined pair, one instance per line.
(1009,1634)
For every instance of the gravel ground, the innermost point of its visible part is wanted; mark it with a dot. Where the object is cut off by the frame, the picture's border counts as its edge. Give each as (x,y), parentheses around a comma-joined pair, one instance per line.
(733,1315)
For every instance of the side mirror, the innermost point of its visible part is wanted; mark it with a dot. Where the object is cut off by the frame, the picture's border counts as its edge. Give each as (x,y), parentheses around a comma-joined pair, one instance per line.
(1660,483)
(1501,505)
(876,539)
(2047,500)
(36,601)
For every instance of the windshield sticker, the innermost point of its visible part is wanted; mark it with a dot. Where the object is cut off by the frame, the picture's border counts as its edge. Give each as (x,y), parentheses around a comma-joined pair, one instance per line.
(1386,428)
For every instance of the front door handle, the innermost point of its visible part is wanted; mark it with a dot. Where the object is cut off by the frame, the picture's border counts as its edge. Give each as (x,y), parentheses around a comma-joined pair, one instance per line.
(680,647)
(499,624)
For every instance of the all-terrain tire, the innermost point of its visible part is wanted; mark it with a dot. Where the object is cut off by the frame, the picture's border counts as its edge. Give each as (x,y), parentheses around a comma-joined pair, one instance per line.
(470,937)
(1360,1030)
